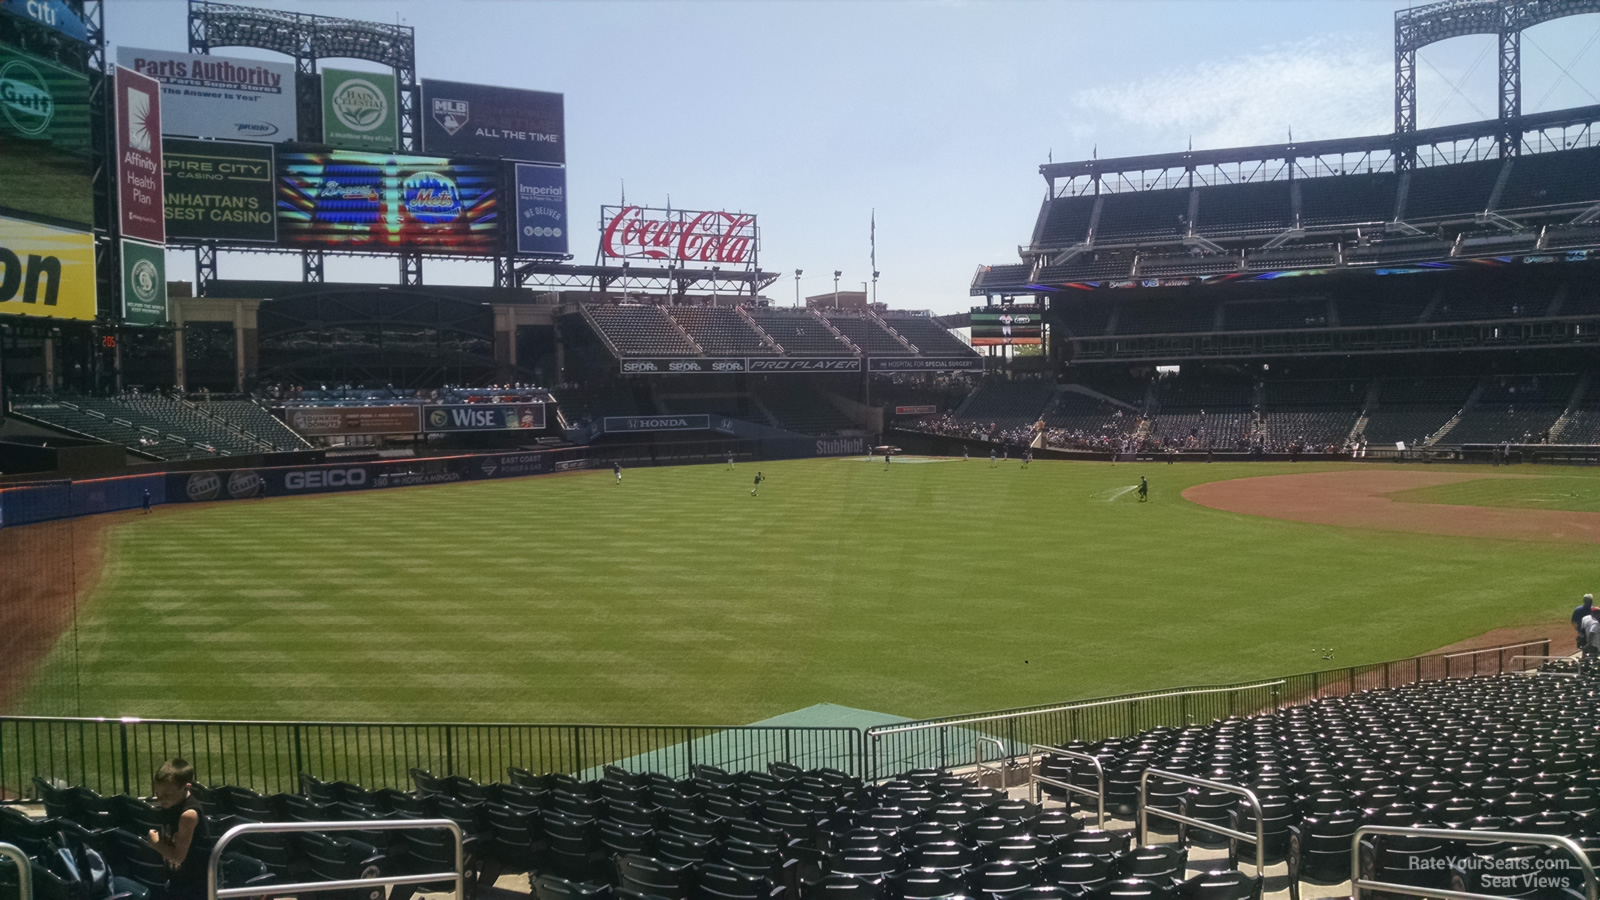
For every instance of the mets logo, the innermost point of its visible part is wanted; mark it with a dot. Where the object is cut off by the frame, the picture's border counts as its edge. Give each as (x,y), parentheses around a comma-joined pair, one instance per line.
(359,105)
(431,198)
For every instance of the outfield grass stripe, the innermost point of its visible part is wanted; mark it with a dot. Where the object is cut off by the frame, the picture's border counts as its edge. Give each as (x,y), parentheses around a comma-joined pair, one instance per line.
(678,597)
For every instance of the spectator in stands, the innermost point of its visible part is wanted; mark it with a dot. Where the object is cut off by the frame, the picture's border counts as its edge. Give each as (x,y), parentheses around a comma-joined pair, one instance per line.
(182,820)
(1589,631)
(1586,608)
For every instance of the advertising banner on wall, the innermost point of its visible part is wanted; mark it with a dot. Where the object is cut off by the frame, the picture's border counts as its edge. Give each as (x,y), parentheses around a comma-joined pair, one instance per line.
(219,96)
(46,271)
(541,210)
(340,200)
(360,110)
(44,140)
(1001,326)
(925,364)
(484,417)
(496,122)
(144,284)
(714,238)
(323,421)
(219,190)
(52,14)
(616,424)
(140,197)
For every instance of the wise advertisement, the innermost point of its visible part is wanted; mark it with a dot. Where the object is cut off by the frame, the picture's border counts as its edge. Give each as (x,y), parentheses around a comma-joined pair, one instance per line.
(484,417)
(541,210)
(219,96)
(360,110)
(44,140)
(144,284)
(140,196)
(498,122)
(998,326)
(219,190)
(46,271)
(342,200)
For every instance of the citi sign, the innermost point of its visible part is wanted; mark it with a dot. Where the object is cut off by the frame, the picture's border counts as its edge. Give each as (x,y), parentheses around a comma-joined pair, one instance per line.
(324,478)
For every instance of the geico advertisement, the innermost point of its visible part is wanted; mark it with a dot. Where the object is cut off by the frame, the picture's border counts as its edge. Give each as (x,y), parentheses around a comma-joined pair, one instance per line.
(45,271)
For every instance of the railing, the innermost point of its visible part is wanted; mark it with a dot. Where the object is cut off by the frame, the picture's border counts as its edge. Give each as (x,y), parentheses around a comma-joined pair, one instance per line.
(25,870)
(1255,804)
(214,867)
(930,743)
(1454,836)
(981,767)
(1500,661)
(114,756)
(1099,793)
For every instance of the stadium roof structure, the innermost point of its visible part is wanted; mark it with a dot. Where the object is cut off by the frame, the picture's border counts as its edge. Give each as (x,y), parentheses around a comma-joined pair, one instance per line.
(1501,188)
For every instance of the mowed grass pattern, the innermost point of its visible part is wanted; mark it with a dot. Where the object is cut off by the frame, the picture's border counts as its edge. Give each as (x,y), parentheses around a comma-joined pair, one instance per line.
(1575,492)
(676,597)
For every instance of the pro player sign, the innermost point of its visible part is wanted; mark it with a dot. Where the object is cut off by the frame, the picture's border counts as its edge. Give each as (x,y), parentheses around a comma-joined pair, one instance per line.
(139,182)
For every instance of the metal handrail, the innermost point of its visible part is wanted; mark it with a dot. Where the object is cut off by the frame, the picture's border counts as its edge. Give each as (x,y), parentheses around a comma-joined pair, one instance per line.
(25,869)
(1544,642)
(214,865)
(981,767)
(1246,793)
(1454,836)
(1099,794)
(1068,707)
(1544,658)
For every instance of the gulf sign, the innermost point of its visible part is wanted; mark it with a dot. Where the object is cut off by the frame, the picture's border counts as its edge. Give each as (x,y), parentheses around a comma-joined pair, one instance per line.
(695,236)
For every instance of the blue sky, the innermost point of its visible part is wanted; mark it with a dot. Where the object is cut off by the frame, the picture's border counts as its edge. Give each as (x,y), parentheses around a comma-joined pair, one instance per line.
(811,113)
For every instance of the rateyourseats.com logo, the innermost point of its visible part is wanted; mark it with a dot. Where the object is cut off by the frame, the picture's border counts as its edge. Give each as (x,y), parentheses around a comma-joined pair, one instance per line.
(25,98)
(360,106)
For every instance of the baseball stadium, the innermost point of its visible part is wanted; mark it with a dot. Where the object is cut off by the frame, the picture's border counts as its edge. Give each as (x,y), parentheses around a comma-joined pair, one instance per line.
(1224,550)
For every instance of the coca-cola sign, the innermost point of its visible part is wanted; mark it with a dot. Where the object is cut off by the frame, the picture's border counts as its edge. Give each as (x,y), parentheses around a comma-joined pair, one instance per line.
(714,238)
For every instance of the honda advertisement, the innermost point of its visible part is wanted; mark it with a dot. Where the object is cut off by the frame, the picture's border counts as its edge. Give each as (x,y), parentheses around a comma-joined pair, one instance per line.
(140,195)
(541,210)
(484,417)
(495,122)
(338,200)
(218,96)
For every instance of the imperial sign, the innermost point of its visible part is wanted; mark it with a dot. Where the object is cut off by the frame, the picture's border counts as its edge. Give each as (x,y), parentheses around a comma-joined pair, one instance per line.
(635,232)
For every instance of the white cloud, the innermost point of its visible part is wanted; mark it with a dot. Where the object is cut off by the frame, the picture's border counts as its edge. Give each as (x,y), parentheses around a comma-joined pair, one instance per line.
(1326,87)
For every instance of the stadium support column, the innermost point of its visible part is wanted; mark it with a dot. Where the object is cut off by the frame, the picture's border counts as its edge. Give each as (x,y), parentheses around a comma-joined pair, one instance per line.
(50,362)
(1405,105)
(1510,129)
(180,376)
(505,341)
(247,349)
(410,267)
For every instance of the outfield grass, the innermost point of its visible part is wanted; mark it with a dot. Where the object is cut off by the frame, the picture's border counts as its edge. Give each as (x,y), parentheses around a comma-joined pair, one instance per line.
(677,597)
(1575,492)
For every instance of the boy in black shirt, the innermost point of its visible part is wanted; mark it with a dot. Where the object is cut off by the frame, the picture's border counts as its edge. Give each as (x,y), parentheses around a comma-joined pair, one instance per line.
(182,821)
